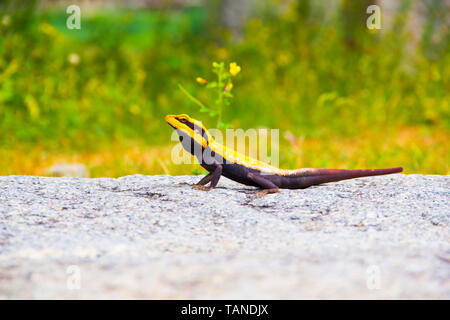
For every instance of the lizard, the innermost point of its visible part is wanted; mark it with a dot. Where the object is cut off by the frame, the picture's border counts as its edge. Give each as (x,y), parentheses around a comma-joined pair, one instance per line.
(219,161)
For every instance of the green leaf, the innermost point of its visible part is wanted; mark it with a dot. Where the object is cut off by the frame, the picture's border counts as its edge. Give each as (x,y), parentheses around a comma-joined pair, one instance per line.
(197,171)
(212,85)
(225,125)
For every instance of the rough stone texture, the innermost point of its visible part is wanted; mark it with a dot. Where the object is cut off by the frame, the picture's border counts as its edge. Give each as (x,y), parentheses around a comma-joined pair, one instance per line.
(151,237)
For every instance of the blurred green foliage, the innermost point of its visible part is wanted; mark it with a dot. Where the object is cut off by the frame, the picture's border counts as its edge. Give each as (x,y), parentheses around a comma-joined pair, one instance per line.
(317,75)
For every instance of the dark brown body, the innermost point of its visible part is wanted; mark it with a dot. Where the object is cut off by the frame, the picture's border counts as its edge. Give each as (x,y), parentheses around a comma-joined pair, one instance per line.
(271,182)
(239,173)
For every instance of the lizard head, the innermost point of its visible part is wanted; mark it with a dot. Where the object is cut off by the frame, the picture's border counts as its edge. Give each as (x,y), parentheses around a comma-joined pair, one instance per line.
(189,128)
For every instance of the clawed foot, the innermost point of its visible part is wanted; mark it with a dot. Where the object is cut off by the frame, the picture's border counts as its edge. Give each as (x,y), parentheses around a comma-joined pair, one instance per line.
(259,194)
(196,186)
(264,192)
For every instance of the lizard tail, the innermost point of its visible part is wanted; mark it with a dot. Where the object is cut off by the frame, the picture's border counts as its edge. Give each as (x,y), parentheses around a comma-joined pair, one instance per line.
(311,177)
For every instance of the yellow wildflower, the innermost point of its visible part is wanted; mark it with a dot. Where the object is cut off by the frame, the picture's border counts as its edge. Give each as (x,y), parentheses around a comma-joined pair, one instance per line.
(6,20)
(74,58)
(48,29)
(228,87)
(201,80)
(234,68)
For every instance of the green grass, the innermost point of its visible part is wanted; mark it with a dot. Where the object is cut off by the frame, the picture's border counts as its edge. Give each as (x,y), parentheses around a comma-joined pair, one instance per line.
(300,75)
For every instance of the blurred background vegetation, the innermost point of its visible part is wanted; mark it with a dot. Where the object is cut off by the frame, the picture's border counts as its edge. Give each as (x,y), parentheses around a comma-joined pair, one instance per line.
(342,95)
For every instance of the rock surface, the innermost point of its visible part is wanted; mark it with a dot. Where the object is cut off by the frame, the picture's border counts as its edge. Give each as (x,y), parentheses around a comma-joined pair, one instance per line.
(153,238)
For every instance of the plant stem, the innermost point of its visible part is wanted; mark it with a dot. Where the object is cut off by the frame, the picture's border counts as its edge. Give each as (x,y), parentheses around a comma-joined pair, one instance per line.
(191,97)
(220,91)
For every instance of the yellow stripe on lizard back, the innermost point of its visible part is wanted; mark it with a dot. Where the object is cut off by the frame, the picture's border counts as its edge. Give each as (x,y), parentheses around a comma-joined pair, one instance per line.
(234,156)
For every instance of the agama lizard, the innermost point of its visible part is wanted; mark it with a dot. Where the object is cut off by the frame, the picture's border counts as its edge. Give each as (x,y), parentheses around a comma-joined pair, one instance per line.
(220,160)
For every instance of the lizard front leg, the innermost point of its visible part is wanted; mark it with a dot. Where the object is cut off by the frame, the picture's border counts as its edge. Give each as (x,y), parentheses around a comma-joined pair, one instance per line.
(212,177)
(205,180)
(266,184)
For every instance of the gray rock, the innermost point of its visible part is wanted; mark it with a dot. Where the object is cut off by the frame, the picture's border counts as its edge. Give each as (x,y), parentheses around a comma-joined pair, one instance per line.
(151,237)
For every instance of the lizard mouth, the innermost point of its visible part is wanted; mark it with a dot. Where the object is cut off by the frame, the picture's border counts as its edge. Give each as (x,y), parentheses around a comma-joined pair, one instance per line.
(170,119)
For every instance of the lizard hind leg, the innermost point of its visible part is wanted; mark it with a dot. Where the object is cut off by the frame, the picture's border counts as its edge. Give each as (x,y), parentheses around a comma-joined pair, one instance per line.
(264,183)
